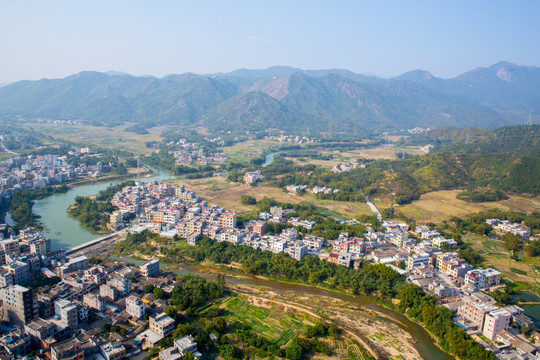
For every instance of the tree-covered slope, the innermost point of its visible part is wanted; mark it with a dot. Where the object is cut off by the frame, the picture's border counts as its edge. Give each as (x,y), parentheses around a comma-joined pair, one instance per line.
(308,101)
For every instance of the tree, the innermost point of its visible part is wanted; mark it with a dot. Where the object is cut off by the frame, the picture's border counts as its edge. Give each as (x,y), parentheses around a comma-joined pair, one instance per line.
(512,243)
(166,342)
(533,249)
(159,293)
(230,352)
(294,351)
(248,200)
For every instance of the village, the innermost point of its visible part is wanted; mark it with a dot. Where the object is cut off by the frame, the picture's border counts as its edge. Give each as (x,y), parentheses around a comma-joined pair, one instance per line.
(38,171)
(173,211)
(61,320)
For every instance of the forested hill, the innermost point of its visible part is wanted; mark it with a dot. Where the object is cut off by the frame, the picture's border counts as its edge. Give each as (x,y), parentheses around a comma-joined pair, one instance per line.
(523,138)
(409,178)
(314,102)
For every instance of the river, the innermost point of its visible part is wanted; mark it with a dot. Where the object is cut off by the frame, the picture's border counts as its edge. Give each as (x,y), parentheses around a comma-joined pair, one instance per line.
(424,343)
(64,231)
(269,158)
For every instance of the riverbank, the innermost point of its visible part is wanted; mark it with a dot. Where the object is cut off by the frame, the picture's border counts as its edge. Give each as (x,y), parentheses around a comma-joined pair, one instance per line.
(381,340)
(66,232)
(384,336)
(381,316)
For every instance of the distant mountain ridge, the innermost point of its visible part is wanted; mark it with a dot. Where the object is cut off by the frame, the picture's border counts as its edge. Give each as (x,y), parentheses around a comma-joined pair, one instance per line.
(285,98)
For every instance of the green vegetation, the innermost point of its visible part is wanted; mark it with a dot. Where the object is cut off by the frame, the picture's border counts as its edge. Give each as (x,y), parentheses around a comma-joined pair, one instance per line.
(92,213)
(405,180)
(533,249)
(272,329)
(508,138)
(486,195)
(242,330)
(221,103)
(503,296)
(512,243)
(373,280)
(22,202)
(166,161)
(248,200)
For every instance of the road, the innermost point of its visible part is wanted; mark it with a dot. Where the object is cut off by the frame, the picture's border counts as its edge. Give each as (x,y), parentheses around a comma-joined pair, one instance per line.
(6,149)
(374,209)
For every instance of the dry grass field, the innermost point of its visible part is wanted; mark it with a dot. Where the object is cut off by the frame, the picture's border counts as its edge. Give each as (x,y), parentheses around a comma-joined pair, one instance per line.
(109,137)
(440,205)
(220,191)
(389,152)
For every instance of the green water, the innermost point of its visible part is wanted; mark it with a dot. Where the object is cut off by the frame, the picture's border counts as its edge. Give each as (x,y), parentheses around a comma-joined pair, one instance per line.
(532,311)
(64,231)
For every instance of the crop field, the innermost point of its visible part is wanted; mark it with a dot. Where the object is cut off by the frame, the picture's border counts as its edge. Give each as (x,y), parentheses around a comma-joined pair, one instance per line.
(440,205)
(496,256)
(109,137)
(277,326)
(220,191)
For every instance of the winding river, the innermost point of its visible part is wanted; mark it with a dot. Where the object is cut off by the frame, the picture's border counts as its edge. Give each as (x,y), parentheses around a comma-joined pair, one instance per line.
(66,232)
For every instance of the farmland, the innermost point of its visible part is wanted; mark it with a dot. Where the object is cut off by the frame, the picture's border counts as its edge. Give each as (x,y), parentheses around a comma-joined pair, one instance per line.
(108,137)
(525,272)
(227,194)
(440,205)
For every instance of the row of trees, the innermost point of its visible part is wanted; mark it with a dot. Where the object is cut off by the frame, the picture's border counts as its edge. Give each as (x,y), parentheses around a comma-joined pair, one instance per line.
(375,280)
(22,202)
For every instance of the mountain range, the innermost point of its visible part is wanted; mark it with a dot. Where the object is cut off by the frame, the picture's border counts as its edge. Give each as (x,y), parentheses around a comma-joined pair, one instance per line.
(284,98)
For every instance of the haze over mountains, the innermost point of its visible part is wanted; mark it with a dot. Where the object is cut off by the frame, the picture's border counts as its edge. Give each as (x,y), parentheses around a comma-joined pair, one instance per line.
(307,101)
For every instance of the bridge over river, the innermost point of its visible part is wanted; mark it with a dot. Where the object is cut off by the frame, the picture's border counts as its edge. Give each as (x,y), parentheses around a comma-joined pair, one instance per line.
(94,242)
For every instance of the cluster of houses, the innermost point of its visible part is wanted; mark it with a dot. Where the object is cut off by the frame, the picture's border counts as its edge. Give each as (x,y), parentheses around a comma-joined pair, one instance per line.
(297,189)
(59,321)
(505,226)
(417,130)
(295,139)
(38,171)
(58,122)
(187,157)
(217,140)
(425,256)
(55,319)
(346,167)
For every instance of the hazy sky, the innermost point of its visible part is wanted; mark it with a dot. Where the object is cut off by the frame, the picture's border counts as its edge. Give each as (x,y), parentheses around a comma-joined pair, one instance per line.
(58,38)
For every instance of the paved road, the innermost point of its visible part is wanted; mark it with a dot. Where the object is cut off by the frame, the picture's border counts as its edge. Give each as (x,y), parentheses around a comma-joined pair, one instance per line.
(374,209)
(6,149)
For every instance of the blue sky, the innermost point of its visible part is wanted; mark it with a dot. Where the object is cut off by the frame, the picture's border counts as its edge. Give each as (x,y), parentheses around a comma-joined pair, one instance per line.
(58,38)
